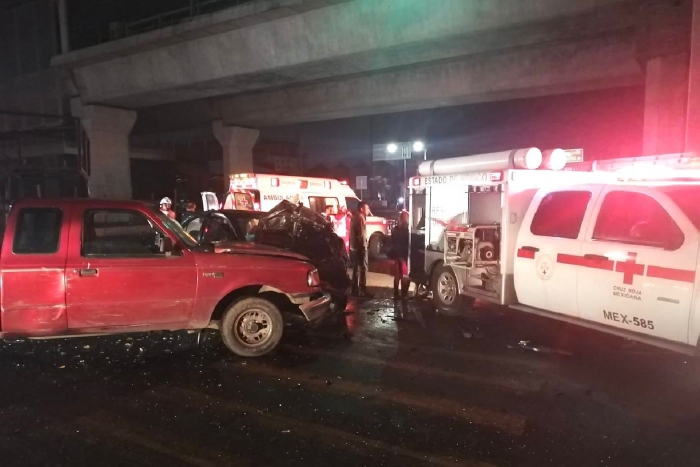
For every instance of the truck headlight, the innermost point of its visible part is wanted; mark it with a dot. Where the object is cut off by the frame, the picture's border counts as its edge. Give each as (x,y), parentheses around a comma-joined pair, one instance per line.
(313,279)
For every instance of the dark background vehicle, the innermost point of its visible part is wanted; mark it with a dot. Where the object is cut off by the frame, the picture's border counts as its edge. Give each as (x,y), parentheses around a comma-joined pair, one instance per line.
(287,226)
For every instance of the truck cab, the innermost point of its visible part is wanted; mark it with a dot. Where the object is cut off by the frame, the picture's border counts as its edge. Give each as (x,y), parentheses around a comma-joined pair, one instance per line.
(623,255)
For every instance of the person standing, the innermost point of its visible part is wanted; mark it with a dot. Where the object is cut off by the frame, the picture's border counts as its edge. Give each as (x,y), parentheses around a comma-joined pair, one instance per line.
(399,253)
(358,247)
(166,207)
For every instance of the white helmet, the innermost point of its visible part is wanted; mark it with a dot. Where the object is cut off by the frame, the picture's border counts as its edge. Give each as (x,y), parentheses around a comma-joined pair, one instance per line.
(166,200)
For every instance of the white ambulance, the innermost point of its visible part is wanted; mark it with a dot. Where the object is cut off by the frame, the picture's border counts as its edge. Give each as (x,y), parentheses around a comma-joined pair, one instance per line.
(262,192)
(611,245)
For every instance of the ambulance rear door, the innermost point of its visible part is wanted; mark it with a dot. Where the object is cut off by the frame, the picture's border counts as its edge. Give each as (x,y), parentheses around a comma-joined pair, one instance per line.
(210,202)
(640,256)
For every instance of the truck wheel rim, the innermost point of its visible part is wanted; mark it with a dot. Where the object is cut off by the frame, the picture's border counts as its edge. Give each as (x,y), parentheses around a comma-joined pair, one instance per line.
(447,288)
(253,328)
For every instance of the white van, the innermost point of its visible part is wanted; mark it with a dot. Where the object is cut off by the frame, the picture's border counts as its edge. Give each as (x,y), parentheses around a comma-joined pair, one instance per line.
(262,192)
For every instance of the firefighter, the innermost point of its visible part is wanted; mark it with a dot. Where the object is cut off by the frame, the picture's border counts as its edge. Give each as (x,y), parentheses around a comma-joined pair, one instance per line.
(166,207)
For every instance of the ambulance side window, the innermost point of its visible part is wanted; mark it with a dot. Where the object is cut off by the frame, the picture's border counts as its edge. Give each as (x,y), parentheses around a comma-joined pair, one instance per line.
(318,204)
(560,214)
(636,219)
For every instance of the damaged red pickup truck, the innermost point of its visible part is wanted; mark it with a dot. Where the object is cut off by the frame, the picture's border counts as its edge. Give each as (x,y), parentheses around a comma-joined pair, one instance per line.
(84,267)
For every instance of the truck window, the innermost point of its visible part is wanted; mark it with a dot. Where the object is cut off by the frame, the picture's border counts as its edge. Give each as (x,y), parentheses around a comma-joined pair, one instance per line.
(38,231)
(560,214)
(318,204)
(686,197)
(636,219)
(118,233)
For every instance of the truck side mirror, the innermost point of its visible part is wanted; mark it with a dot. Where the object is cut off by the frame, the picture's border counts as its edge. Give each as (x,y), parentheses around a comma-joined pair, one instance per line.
(165,245)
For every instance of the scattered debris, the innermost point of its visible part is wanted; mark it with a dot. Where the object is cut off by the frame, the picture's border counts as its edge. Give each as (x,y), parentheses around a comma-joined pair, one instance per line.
(329,382)
(544,350)
(465,334)
(286,431)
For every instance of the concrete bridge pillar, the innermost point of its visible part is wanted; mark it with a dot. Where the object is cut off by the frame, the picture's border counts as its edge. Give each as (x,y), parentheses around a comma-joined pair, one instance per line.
(664,29)
(108,131)
(666,104)
(693,122)
(237,143)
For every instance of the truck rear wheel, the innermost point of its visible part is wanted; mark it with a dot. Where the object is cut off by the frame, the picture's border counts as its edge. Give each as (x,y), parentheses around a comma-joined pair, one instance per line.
(376,245)
(446,296)
(252,327)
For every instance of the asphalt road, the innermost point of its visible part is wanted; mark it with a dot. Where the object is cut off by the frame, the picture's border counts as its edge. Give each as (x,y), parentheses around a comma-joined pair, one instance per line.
(381,386)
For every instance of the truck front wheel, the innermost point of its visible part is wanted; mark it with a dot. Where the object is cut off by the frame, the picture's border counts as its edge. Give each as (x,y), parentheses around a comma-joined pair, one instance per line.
(252,327)
(446,296)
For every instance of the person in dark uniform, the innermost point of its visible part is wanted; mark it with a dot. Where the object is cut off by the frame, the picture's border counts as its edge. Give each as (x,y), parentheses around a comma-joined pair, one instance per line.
(358,248)
(399,253)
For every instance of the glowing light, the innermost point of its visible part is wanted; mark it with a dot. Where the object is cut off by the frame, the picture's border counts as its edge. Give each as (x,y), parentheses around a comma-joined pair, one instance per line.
(418,146)
(533,158)
(400,200)
(392,148)
(555,159)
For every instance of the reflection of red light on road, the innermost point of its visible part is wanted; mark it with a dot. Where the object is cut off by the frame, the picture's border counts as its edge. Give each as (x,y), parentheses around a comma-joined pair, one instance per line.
(350,321)
(350,318)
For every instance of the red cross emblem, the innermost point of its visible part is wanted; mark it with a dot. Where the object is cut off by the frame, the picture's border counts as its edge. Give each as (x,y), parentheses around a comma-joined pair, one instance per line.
(630,268)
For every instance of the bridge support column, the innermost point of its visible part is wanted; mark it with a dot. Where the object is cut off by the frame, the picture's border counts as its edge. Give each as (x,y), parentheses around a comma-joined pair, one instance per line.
(666,104)
(237,143)
(108,131)
(693,124)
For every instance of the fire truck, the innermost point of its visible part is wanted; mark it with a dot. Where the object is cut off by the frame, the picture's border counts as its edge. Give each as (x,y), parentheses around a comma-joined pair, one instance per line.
(262,192)
(609,245)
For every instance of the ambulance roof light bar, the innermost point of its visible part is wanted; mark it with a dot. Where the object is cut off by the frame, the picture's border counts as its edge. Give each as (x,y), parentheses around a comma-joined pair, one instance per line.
(681,160)
(526,158)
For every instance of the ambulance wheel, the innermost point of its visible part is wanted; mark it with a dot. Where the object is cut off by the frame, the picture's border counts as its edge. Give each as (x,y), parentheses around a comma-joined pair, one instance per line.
(252,327)
(446,297)
(376,244)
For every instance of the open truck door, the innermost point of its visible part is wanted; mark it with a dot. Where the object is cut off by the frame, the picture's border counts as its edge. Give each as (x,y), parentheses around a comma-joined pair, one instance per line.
(210,202)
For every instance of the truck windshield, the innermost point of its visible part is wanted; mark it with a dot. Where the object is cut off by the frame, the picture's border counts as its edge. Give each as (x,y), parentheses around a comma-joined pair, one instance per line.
(686,197)
(175,227)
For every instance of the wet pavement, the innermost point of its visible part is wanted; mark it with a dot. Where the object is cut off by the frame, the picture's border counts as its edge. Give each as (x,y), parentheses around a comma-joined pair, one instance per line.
(380,385)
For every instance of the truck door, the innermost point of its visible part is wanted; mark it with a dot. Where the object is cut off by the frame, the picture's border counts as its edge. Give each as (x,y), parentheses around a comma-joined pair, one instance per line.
(548,249)
(645,251)
(117,277)
(33,270)
(210,202)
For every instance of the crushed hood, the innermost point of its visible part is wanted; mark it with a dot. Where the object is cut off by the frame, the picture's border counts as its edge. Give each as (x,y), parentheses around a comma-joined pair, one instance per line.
(250,248)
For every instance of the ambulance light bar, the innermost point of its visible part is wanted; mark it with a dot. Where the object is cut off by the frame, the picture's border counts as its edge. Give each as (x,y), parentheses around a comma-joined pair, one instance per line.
(652,168)
(526,158)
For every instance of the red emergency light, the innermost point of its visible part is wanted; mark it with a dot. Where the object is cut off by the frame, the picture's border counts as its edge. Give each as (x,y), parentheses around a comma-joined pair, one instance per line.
(303,184)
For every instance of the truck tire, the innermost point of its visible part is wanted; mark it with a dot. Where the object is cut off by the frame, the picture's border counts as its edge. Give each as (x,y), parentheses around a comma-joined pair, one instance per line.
(252,327)
(376,245)
(446,297)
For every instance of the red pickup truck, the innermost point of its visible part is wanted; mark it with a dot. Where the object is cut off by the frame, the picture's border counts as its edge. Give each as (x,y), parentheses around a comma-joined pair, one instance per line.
(84,267)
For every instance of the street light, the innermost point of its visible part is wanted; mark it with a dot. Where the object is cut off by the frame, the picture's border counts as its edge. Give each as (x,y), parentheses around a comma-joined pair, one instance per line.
(407,150)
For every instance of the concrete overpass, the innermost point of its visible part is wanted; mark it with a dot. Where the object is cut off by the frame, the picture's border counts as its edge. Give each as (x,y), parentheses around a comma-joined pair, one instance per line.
(274,62)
